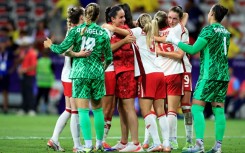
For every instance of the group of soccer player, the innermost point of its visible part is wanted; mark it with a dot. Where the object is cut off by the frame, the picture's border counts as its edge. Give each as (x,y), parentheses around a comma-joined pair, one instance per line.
(145,59)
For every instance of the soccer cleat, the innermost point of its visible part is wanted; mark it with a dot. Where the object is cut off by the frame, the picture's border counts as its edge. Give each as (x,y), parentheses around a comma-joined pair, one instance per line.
(145,146)
(174,145)
(155,148)
(119,146)
(166,149)
(166,146)
(131,147)
(194,149)
(214,151)
(109,149)
(77,149)
(187,145)
(86,150)
(32,113)
(56,147)
(99,149)
(106,145)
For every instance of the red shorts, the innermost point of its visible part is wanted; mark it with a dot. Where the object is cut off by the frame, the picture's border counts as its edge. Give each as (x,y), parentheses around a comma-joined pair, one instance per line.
(155,87)
(110,82)
(126,86)
(174,84)
(67,88)
(187,81)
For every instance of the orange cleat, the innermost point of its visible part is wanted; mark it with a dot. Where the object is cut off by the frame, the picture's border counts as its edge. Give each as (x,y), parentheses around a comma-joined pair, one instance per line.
(105,145)
(166,149)
(145,146)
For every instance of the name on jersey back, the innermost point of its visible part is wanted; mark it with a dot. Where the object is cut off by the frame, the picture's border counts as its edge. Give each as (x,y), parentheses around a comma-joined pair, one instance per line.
(91,31)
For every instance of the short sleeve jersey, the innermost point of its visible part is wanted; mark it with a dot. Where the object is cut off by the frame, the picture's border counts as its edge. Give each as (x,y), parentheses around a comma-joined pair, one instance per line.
(170,66)
(94,39)
(184,35)
(123,57)
(213,58)
(147,56)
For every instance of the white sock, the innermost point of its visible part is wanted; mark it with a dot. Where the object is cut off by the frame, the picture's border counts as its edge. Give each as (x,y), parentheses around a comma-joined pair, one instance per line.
(172,120)
(151,125)
(98,143)
(147,137)
(164,126)
(106,128)
(60,124)
(88,143)
(188,121)
(147,134)
(75,129)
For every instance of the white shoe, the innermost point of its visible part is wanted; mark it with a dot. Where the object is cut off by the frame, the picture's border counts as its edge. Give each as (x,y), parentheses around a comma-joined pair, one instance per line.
(32,113)
(119,146)
(174,145)
(21,112)
(194,149)
(77,149)
(212,117)
(55,146)
(131,147)
(155,148)
(166,147)
(86,150)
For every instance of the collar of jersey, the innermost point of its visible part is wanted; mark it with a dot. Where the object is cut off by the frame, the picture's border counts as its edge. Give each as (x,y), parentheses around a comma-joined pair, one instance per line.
(91,25)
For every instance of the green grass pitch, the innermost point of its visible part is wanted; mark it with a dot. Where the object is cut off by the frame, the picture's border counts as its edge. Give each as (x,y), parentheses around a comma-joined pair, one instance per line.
(24,134)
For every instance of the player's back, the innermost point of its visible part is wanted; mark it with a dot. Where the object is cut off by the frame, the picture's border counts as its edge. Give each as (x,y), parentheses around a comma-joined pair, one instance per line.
(214,61)
(94,39)
(169,66)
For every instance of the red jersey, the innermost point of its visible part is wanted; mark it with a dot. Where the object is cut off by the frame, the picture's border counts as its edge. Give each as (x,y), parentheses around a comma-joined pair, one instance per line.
(123,58)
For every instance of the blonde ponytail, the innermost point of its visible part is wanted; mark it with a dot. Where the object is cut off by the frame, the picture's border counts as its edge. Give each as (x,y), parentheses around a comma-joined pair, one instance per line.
(92,11)
(155,28)
(144,22)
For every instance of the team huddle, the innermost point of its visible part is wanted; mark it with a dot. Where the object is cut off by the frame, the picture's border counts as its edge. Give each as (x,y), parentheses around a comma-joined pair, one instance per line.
(110,65)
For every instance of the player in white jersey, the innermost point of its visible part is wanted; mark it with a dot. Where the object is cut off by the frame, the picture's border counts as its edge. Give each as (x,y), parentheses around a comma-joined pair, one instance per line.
(151,93)
(187,83)
(182,33)
(171,62)
(75,16)
(174,17)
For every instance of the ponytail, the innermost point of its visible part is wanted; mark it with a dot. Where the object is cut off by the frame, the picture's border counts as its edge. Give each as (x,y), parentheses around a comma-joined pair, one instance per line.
(92,11)
(144,21)
(73,16)
(107,17)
